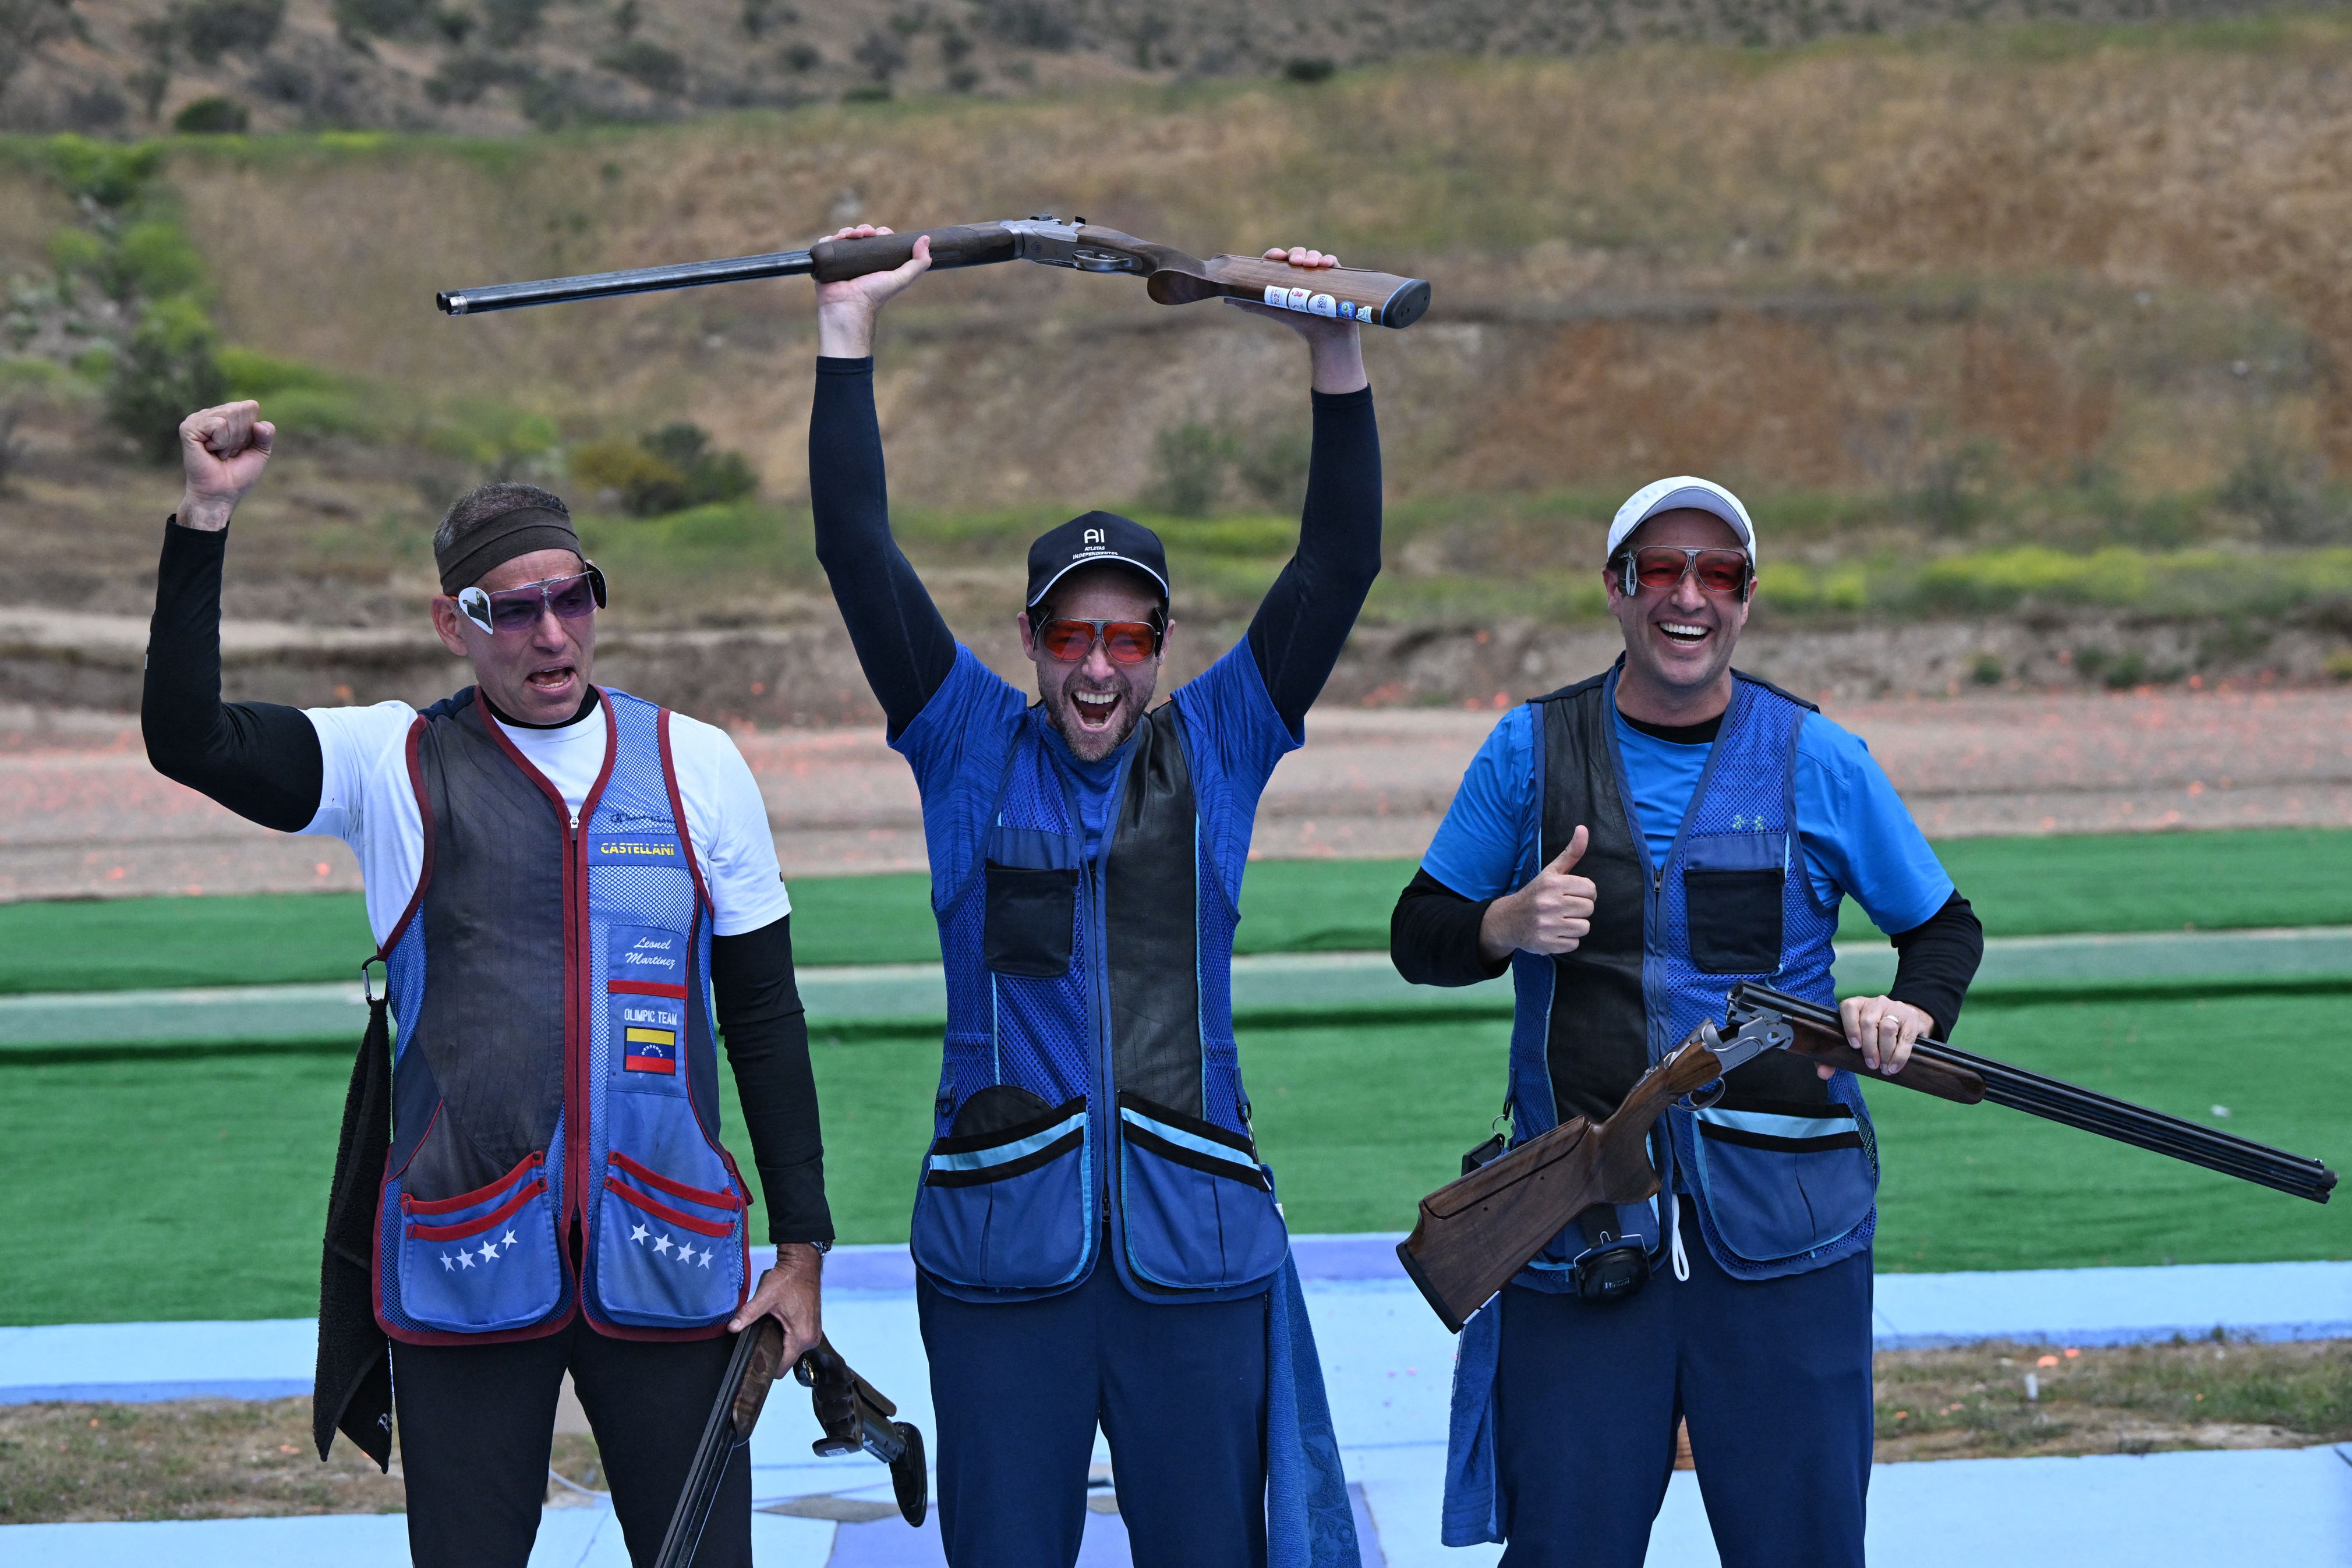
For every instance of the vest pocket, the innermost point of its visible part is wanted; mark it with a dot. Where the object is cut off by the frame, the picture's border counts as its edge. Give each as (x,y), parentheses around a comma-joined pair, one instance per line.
(1732,890)
(483,1261)
(1003,1205)
(1032,914)
(669,1223)
(1780,1184)
(1196,1207)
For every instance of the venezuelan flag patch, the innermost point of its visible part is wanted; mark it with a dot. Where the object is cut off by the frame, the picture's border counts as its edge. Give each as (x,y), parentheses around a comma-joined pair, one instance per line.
(650,1050)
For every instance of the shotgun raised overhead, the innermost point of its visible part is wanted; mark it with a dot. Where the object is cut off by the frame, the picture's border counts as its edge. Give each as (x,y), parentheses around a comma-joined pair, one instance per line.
(1171,276)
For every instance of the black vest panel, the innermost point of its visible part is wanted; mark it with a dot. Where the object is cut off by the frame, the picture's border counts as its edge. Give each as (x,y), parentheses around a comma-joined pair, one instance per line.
(1151,916)
(1598,1043)
(492,1026)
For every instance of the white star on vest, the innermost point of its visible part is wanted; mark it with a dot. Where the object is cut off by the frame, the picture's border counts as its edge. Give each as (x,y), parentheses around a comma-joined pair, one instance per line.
(706,1256)
(662,1245)
(448,1264)
(640,1235)
(465,1259)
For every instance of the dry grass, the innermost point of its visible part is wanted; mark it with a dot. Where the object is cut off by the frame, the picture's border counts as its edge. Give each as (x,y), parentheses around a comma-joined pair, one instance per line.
(202,1459)
(1834,268)
(1971,1403)
(227,1458)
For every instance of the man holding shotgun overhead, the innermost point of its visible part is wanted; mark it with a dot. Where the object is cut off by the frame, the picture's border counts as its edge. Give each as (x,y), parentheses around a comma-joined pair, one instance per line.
(1098,1240)
(1632,846)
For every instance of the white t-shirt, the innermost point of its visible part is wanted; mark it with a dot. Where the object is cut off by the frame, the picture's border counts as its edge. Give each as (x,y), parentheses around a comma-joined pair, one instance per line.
(366,800)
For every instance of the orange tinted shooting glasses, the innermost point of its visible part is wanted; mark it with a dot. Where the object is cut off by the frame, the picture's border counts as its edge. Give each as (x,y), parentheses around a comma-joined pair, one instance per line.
(1719,571)
(1127,642)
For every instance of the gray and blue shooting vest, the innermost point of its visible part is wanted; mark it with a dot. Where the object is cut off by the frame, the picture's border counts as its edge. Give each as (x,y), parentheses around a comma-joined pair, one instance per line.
(555,1071)
(1782,1171)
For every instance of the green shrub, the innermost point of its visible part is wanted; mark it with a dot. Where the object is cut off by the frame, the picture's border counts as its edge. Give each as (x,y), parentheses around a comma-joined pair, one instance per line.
(212,116)
(165,372)
(154,259)
(384,18)
(649,64)
(254,374)
(668,470)
(77,253)
(214,27)
(108,174)
(647,486)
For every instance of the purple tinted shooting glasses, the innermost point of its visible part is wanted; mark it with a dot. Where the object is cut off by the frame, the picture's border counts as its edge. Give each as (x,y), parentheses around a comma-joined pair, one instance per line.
(512,610)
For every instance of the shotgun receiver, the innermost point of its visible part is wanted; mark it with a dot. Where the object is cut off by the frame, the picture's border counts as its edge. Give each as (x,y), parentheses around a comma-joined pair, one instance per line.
(1472,1235)
(853,1415)
(1170,277)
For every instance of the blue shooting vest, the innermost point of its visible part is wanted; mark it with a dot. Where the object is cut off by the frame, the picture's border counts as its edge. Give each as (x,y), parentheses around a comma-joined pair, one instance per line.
(1783,1170)
(1090,1093)
(555,1064)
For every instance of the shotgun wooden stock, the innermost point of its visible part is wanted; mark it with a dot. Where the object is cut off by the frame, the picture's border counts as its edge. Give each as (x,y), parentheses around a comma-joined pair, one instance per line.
(1471,1235)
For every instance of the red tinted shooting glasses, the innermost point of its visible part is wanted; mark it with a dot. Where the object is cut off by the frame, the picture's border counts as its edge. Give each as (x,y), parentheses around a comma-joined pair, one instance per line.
(518,609)
(1719,571)
(1127,642)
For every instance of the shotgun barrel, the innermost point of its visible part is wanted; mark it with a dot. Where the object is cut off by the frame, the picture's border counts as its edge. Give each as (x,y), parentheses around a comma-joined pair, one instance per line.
(2056,1101)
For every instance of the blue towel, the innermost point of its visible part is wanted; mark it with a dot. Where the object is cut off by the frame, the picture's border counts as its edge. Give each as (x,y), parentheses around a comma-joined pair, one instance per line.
(1310,1520)
(1472,1511)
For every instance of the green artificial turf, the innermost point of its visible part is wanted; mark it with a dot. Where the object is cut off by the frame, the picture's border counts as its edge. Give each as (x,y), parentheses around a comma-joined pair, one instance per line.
(193,1187)
(2151,882)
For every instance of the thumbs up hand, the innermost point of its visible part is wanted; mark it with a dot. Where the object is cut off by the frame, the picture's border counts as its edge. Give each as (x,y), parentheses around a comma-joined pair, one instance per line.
(1552,914)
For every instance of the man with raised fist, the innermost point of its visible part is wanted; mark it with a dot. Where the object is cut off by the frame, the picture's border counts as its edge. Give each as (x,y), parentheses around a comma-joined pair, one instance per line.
(1098,1241)
(1632,846)
(569,887)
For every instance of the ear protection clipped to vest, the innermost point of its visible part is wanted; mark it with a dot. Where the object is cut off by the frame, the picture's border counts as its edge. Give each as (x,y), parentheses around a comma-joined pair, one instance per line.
(1613,1265)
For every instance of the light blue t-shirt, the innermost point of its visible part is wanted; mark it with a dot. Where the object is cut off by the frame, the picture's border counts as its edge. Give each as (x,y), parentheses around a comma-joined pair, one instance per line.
(1858,837)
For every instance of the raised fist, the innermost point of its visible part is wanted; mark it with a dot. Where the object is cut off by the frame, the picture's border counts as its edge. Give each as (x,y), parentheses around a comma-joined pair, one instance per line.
(224,451)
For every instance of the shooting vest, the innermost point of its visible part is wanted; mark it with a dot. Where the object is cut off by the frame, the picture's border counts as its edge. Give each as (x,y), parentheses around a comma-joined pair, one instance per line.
(1089,1091)
(554,1075)
(1782,1171)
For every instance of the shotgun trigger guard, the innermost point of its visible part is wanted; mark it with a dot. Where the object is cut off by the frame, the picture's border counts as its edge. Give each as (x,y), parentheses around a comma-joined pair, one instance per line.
(1703,1098)
(1758,1033)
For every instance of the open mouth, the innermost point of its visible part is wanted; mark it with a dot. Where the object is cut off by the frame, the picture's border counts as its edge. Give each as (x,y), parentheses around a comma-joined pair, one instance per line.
(551,680)
(1093,709)
(1683,634)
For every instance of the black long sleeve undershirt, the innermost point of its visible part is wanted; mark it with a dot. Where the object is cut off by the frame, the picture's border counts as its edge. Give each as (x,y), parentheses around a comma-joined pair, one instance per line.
(1433,941)
(262,761)
(259,760)
(766,1032)
(905,646)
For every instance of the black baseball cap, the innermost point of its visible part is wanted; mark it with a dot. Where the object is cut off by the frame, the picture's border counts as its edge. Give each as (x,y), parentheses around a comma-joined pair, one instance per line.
(1098,539)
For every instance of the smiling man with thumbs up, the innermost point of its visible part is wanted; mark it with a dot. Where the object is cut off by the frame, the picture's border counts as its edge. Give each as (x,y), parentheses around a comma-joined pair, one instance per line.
(1632,846)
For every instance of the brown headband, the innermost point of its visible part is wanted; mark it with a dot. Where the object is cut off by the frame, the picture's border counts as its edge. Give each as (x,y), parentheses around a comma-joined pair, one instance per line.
(492,544)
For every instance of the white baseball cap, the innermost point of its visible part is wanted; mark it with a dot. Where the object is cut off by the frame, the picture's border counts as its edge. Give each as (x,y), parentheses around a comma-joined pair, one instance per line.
(1675,495)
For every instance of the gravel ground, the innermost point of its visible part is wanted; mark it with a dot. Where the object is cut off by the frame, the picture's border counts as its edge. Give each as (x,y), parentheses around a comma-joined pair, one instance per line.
(83,814)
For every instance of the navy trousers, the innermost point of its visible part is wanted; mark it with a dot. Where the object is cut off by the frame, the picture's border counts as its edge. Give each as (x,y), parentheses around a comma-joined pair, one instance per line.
(1773,1376)
(476,1423)
(1179,1390)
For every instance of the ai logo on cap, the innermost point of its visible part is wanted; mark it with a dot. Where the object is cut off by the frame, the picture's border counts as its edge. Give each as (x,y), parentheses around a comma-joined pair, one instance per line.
(1096,536)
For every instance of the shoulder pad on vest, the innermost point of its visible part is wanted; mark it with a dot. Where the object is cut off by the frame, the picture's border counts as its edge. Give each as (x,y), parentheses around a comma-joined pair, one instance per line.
(451,706)
(1753,681)
(1591,684)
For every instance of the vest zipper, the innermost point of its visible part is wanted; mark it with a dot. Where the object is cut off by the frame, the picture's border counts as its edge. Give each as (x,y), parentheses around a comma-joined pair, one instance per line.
(576,1114)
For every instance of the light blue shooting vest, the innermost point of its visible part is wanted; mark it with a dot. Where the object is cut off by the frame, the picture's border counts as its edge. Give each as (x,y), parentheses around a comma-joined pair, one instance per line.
(1089,1093)
(1783,1170)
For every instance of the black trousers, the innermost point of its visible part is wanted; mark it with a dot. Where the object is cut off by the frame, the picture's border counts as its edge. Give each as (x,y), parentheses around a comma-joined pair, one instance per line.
(476,1423)
(1179,1390)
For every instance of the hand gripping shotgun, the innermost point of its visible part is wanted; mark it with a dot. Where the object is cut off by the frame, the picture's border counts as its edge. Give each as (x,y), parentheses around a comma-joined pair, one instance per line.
(1170,277)
(1472,1235)
(855,1419)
